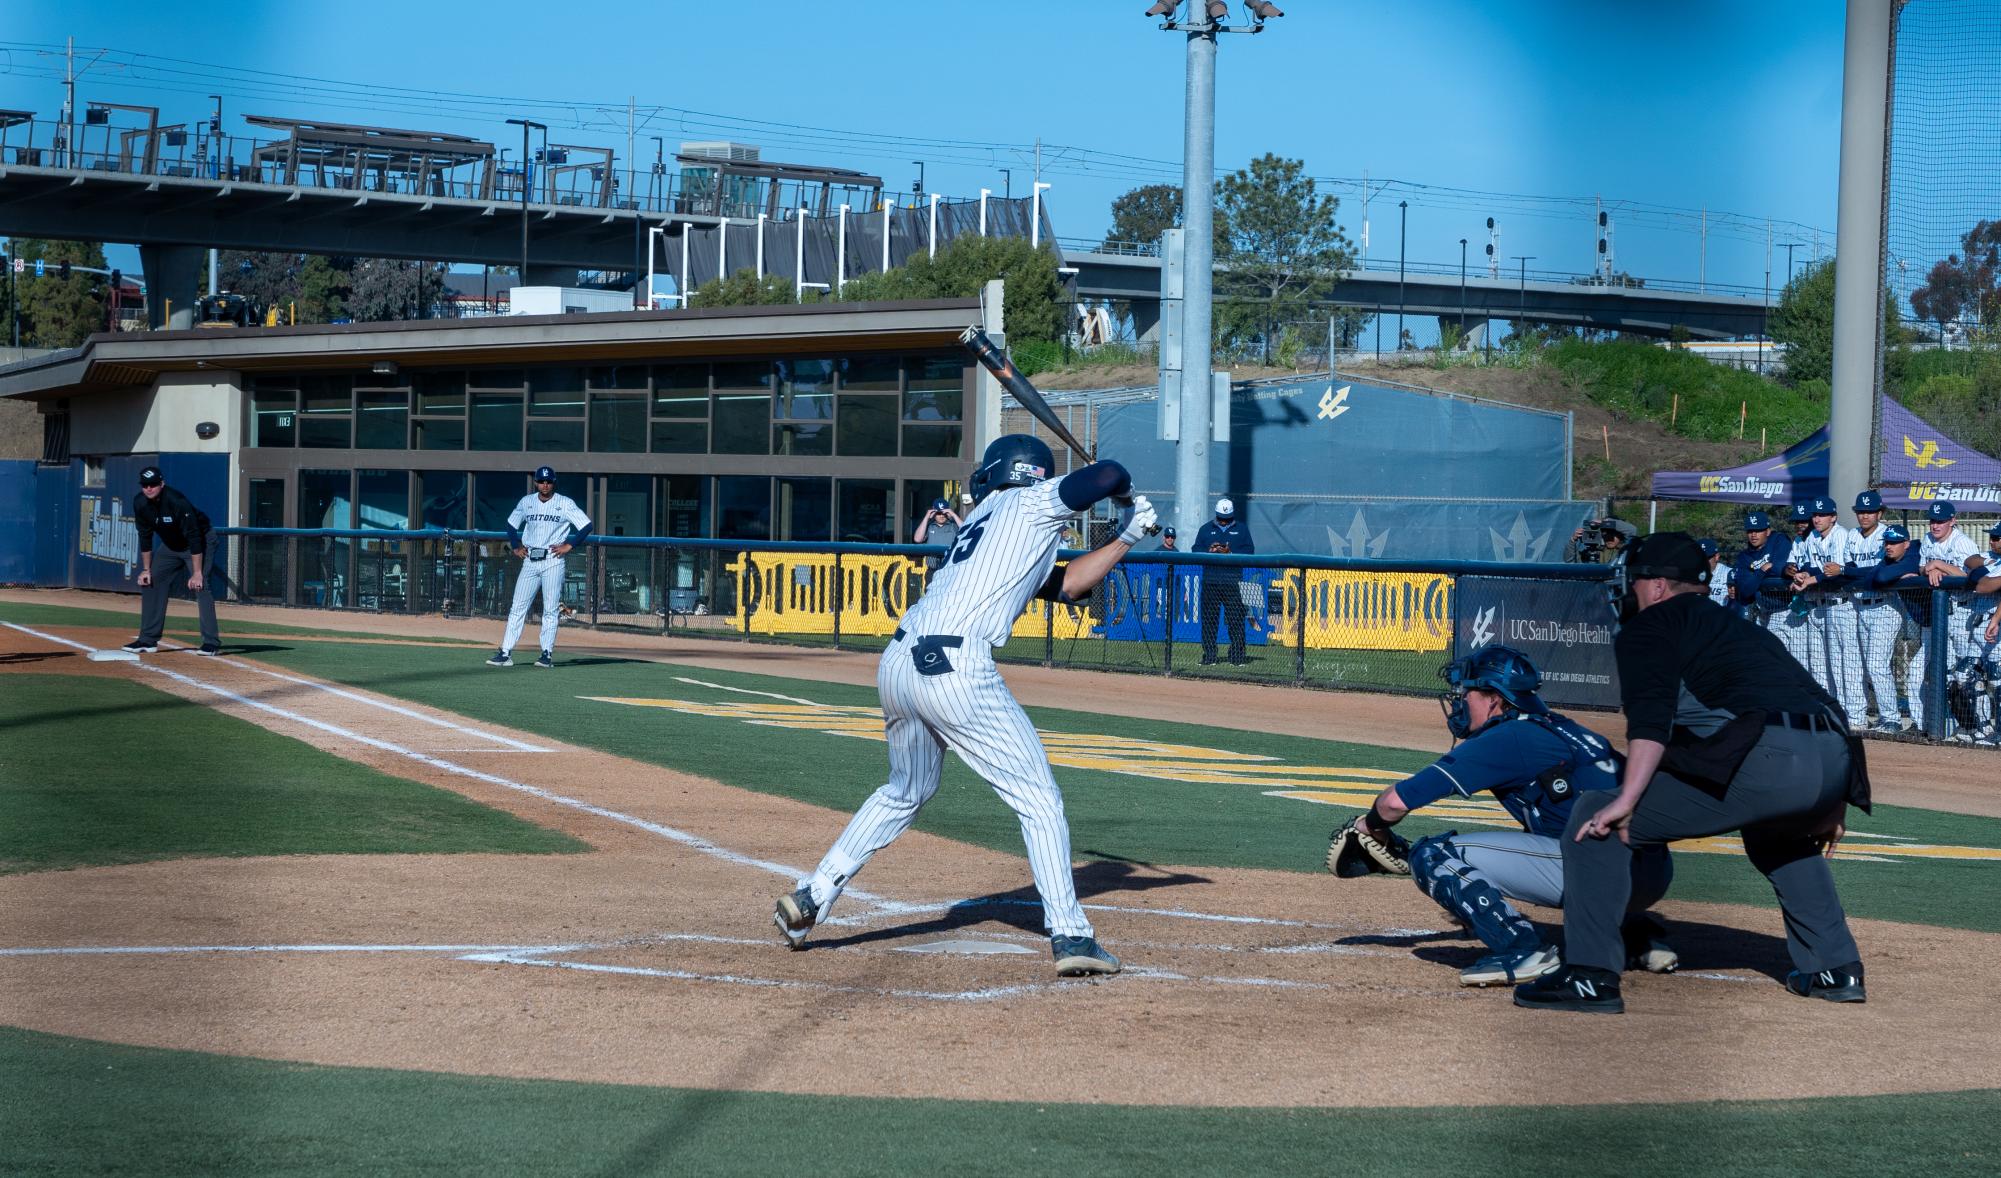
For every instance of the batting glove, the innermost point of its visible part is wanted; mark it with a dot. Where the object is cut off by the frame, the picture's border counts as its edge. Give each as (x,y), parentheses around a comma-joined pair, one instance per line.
(1136,521)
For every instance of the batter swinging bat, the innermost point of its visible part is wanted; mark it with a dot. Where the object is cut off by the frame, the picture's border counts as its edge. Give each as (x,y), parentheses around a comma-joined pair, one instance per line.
(975,341)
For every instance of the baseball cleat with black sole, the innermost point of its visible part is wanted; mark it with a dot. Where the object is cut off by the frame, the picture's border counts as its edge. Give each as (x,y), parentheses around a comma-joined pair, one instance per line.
(795,916)
(1508,969)
(1841,983)
(140,646)
(1079,957)
(1573,987)
(209,649)
(1647,947)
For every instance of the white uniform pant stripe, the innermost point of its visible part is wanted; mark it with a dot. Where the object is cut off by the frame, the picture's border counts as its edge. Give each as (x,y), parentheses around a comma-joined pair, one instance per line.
(537,576)
(1880,624)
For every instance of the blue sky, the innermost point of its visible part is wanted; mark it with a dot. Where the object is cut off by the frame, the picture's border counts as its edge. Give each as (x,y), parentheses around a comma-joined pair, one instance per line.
(1656,107)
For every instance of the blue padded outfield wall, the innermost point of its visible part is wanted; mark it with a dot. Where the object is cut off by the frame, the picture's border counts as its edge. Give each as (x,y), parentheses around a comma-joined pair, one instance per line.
(17,520)
(1346,469)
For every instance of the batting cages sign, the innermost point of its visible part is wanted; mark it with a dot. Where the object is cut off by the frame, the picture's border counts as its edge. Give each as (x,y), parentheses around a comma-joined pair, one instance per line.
(1565,627)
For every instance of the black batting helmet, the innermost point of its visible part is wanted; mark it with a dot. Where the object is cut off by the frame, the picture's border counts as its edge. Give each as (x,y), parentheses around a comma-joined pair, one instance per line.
(1012,460)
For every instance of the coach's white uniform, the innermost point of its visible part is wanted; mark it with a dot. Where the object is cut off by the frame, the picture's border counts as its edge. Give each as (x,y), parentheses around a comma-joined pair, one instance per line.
(940,688)
(1830,619)
(1878,621)
(1954,549)
(543,525)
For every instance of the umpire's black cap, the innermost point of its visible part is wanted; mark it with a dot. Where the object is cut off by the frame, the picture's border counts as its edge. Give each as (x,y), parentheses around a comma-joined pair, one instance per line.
(151,477)
(1674,555)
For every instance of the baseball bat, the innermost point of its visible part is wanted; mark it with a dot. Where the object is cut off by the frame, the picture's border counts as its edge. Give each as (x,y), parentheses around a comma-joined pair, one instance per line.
(975,341)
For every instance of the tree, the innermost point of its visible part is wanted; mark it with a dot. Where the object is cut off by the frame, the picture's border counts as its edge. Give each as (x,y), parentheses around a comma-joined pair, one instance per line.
(1804,322)
(387,288)
(1144,213)
(743,289)
(1281,249)
(60,312)
(1958,286)
(1034,290)
(322,291)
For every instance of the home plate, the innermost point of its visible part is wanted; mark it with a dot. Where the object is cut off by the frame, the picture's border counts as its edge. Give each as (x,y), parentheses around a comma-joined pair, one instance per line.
(113,656)
(966,947)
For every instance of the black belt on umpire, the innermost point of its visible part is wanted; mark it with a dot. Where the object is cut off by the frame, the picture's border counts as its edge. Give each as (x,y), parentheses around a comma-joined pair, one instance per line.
(1804,722)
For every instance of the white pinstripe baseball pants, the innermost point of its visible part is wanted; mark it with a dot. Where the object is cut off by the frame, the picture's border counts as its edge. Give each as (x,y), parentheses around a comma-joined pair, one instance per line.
(970,710)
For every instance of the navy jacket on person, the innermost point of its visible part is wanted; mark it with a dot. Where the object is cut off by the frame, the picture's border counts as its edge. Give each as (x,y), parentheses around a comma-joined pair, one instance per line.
(1235,536)
(1756,567)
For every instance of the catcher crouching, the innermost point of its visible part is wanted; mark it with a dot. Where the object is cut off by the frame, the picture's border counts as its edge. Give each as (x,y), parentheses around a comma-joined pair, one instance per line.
(1534,762)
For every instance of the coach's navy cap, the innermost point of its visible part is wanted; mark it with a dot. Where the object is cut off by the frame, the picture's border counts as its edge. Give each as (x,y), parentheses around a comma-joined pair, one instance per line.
(1802,513)
(1168,531)
(1822,505)
(545,474)
(1756,521)
(1708,546)
(939,505)
(151,477)
(1942,509)
(1896,535)
(1674,555)
(1994,533)
(1868,501)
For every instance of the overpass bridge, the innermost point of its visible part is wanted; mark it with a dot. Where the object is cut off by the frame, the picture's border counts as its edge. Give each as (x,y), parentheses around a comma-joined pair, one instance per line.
(340,189)
(1129,273)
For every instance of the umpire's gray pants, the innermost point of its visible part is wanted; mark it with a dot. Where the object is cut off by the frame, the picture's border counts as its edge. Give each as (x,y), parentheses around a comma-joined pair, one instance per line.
(1789,791)
(170,571)
(1529,867)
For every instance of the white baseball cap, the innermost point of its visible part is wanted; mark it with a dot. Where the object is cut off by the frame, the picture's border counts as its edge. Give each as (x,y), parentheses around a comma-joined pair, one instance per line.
(1225,508)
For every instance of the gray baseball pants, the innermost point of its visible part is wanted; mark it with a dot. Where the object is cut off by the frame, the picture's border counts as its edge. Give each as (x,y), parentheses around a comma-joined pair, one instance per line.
(1789,791)
(170,571)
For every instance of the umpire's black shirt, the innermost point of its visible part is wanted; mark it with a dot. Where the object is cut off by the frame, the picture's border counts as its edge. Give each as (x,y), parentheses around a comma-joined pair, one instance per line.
(1689,661)
(180,525)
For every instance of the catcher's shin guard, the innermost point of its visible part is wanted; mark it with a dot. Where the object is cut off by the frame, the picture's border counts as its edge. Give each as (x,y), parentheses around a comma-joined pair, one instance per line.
(1468,896)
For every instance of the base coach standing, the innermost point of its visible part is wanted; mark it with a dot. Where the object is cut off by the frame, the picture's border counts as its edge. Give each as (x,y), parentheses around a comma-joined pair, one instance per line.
(165,514)
(1725,731)
(1222,585)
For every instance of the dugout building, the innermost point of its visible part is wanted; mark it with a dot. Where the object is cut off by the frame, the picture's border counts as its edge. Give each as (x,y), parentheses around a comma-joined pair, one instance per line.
(835,421)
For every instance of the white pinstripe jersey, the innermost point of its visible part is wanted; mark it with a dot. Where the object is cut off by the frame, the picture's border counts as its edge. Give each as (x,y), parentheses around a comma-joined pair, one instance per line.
(1836,547)
(1953,550)
(1002,556)
(545,525)
(1867,547)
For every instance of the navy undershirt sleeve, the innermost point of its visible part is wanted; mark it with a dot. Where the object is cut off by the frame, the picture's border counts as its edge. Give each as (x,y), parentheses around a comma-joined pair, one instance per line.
(1081,488)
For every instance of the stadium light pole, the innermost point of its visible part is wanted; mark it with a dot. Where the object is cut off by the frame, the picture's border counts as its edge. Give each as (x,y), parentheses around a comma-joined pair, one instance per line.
(1790,247)
(1462,289)
(1403,222)
(522,278)
(1203,23)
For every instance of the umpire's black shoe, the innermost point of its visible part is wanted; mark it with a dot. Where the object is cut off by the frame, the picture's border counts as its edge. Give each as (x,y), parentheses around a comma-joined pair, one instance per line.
(1842,983)
(1574,987)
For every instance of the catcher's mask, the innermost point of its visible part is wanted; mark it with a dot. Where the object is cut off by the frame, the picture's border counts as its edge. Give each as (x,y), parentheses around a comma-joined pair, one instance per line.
(1503,670)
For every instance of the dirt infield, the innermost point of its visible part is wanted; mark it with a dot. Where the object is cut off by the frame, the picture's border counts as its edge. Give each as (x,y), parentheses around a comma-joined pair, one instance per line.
(651,960)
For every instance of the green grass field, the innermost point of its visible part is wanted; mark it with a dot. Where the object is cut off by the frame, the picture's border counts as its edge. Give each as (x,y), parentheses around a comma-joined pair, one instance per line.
(76,1106)
(97,771)
(1113,816)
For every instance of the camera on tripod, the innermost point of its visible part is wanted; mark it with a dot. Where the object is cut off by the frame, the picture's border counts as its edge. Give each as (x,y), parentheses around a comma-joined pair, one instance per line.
(1595,537)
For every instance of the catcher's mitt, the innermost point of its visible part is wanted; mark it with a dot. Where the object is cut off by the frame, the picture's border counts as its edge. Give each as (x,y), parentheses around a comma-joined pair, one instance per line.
(1354,851)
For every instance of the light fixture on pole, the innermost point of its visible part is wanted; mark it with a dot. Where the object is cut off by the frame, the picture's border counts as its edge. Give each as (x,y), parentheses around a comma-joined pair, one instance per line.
(918,188)
(525,124)
(1007,183)
(1790,247)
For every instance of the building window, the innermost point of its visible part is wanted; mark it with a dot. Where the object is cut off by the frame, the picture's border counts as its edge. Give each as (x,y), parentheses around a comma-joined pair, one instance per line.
(93,472)
(325,501)
(618,423)
(681,409)
(498,494)
(683,501)
(743,507)
(741,409)
(918,496)
(382,419)
(496,420)
(867,511)
(803,408)
(805,509)
(326,412)
(555,409)
(442,499)
(934,394)
(440,423)
(871,391)
(384,498)
(274,413)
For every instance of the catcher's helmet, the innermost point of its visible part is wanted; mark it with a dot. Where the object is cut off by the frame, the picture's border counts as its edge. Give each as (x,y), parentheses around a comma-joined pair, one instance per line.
(1503,670)
(1012,460)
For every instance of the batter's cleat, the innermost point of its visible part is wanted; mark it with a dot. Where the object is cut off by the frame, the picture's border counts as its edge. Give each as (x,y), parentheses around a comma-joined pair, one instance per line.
(1647,947)
(1573,987)
(1887,728)
(209,649)
(546,661)
(140,646)
(1078,957)
(500,659)
(1842,983)
(795,916)
(1507,969)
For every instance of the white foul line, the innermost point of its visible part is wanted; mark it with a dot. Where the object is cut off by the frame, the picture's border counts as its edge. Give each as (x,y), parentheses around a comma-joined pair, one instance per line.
(412,713)
(791,699)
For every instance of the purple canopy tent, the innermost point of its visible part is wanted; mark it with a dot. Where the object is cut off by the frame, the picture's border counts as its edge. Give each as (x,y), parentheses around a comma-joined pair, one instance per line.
(1917,463)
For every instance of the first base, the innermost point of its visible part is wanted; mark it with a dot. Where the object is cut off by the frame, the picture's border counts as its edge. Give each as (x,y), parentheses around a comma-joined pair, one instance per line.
(113,656)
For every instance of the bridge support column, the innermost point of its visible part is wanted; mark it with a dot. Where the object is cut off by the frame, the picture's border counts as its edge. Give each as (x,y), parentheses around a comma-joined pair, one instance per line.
(1146,320)
(173,276)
